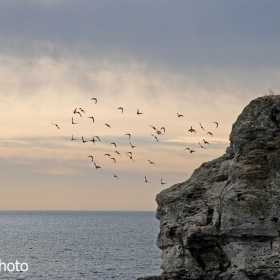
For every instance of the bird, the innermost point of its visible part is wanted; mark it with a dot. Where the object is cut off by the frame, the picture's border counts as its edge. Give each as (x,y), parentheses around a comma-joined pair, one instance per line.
(151,162)
(83,140)
(82,110)
(162,182)
(107,125)
(132,145)
(192,130)
(130,156)
(113,143)
(77,112)
(216,124)
(115,176)
(155,136)
(153,127)
(91,118)
(91,158)
(56,125)
(187,149)
(201,146)
(94,99)
(163,129)
(179,115)
(120,108)
(107,155)
(205,142)
(117,153)
(97,137)
(210,133)
(113,159)
(192,151)
(138,113)
(73,121)
(159,132)
(93,141)
(201,126)
(146,181)
(129,153)
(96,166)
(129,135)
(73,138)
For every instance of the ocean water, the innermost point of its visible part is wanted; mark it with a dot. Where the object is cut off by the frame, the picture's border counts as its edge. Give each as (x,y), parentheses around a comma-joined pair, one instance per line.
(79,244)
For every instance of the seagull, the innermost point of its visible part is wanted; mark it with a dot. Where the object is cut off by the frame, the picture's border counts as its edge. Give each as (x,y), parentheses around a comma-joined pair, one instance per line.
(129,135)
(151,162)
(91,118)
(83,140)
(192,151)
(155,136)
(152,127)
(210,133)
(216,124)
(117,153)
(82,110)
(163,129)
(179,116)
(113,143)
(73,138)
(138,113)
(120,108)
(201,126)
(96,166)
(192,130)
(115,176)
(201,146)
(146,181)
(205,142)
(107,125)
(91,158)
(73,121)
(132,145)
(94,99)
(107,155)
(56,125)
(113,159)
(162,182)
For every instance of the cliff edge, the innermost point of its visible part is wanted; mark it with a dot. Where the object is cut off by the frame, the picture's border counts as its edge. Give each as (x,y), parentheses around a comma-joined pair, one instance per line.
(223,222)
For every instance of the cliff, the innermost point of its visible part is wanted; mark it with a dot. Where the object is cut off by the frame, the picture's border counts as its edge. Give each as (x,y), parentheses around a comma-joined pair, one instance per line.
(223,222)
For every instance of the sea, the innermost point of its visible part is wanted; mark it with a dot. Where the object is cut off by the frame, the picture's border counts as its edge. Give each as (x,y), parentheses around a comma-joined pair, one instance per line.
(97,245)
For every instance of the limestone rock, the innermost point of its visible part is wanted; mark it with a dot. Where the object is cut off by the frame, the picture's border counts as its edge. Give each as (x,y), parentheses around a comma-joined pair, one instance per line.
(224,221)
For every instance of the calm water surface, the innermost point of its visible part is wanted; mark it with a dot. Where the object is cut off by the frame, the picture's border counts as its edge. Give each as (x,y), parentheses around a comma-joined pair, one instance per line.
(80,244)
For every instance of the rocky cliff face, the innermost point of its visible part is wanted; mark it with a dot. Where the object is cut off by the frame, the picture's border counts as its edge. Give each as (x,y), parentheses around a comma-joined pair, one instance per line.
(224,222)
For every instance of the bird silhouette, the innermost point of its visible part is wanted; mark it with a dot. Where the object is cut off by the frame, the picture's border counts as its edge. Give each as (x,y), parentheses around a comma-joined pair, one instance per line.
(155,137)
(163,129)
(56,125)
(159,132)
(201,126)
(97,137)
(130,156)
(179,115)
(91,118)
(132,145)
(210,133)
(151,162)
(82,110)
(192,151)
(91,158)
(93,141)
(146,181)
(77,112)
(120,108)
(216,124)
(138,113)
(83,139)
(192,130)
(94,99)
(205,142)
(113,143)
(201,146)
(115,176)
(162,182)
(187,149)
(107,125)
(128,135)
(117,153)
(153,127)
(96,166)
(73,138)
(73,121)
(107,155)
(113,159)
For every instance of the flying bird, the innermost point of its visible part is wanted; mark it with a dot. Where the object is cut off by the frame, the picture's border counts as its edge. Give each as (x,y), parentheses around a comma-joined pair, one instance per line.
(130,156)
(107,125)
(115,176)
(83,139)
(107,155)
(96,166)
(201,146)
(162,182)
(146,181)
(91,158)
(113,143)
(138,113)
(73,138)
(82,110)
(77,112)
(93,141)
(192,130)
(210,133)
(155,136)
(120,108)
(192,151)
(117,153)
(97,137)
(151,162)
(216,124)
(152,127)
(179,115)
(163,129)
(201,126)
(129,135)
(56,125)
(187,149)
(113,159)
(94,99)
(159,132)
(91,118)
(132,145)
(205,142)
(73,121)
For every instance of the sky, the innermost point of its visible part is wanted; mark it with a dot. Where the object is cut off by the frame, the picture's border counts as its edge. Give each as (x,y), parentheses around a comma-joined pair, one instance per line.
(205,60)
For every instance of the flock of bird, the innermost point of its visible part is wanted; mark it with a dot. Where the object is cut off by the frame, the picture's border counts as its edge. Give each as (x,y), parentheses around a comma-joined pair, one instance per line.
(159,132)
